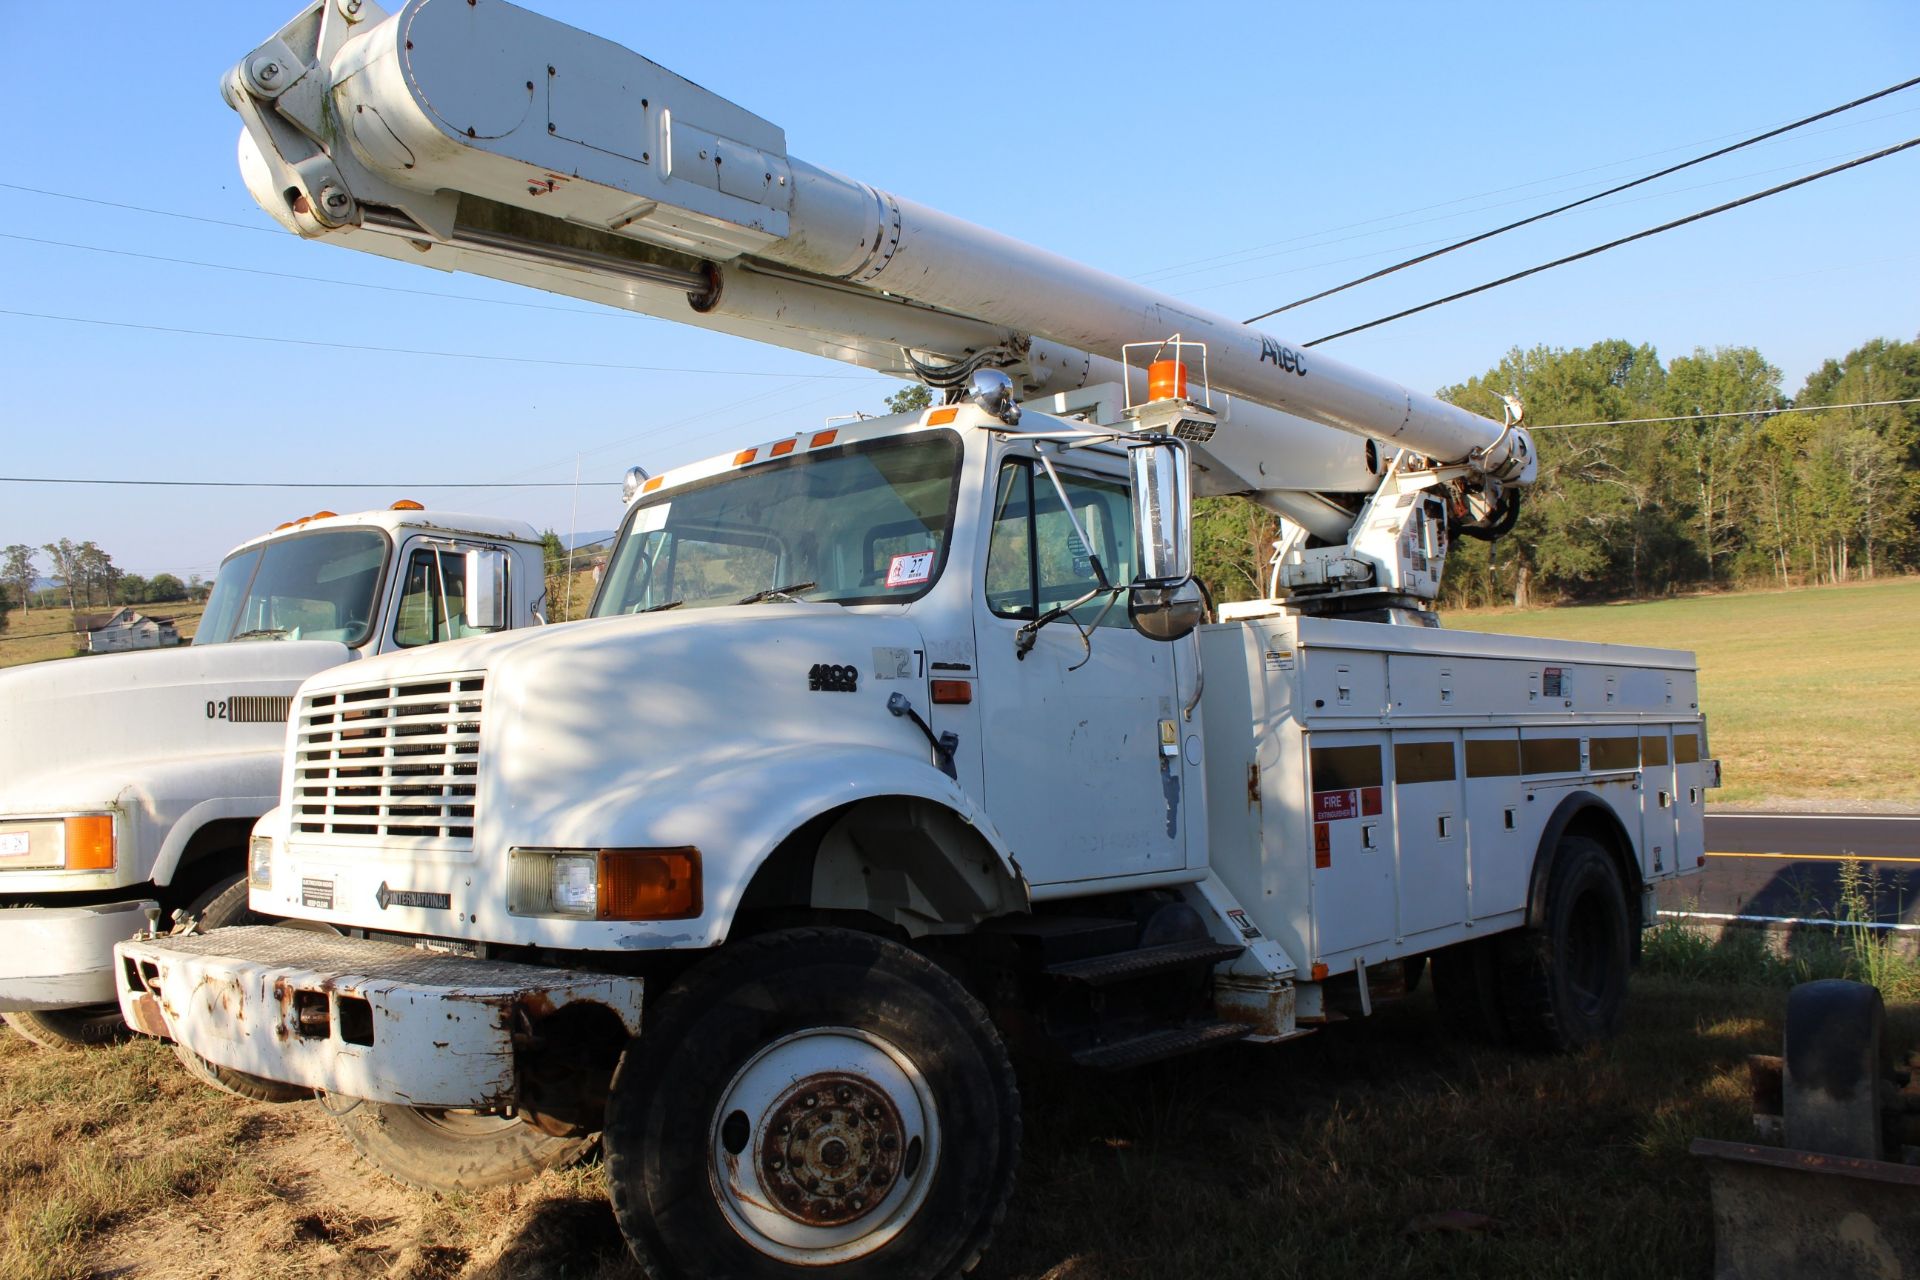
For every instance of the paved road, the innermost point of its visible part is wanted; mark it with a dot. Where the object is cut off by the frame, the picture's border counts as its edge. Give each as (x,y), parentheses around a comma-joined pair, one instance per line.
(1788,865)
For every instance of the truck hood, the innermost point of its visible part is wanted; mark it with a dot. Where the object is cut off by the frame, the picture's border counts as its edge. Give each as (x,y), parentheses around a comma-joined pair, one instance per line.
(74,734)
(588,725)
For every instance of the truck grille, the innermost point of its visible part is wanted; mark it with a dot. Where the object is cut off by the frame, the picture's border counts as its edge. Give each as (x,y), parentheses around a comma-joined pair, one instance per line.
(397,759)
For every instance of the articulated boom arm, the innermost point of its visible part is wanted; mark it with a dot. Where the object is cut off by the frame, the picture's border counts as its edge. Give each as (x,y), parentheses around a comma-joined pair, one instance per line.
(481,137)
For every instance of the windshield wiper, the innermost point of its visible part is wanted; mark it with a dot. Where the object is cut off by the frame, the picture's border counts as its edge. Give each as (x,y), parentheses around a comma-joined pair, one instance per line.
(663,607)
(276,632)
(778,593)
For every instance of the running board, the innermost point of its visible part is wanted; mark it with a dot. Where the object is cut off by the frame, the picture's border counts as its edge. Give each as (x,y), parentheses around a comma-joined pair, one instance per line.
(1169,1042)
(1144,962)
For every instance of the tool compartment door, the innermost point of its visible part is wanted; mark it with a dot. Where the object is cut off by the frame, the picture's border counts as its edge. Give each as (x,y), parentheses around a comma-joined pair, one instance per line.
(1431,848)
(1354,896)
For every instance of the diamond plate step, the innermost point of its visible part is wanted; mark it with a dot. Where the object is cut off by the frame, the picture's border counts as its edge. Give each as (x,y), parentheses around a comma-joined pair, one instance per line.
(1142,962)
(1152,1046)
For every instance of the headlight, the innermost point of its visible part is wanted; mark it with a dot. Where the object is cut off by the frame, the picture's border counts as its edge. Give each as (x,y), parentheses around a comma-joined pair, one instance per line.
(260,862)
(83,843)
(574,884)
(607,884)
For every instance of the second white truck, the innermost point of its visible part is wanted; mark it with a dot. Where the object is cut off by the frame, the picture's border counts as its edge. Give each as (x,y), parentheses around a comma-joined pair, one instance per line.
(129,782)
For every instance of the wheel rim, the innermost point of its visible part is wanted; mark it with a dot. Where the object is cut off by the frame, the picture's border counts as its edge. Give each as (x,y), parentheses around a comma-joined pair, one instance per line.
(823,1146)
(467,1124)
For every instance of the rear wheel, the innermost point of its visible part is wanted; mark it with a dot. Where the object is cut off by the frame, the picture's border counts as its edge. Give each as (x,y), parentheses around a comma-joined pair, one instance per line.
(450,1149)
(1564,982)
(223,904)
(69,1028)
(813,1102)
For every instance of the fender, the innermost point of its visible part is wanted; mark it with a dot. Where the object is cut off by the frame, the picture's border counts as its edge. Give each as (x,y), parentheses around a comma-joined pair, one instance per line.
(1576,805)
(738,812)
(188,824)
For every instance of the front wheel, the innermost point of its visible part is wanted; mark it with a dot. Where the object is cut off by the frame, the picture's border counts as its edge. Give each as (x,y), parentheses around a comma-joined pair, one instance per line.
(67,1028)
(224,904)
(447,1150)
(813,1102)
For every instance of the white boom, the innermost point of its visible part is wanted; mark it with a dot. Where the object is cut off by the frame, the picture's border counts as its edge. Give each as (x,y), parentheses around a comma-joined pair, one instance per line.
(481,137)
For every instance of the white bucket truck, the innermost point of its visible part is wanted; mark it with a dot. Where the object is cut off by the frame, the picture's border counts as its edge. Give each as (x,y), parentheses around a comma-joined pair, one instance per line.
(893,741)
(129,782)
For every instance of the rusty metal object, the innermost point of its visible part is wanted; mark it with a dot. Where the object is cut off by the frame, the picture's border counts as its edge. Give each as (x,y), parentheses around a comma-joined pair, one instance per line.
(1786,1215)
(830,1150)
(143,1012)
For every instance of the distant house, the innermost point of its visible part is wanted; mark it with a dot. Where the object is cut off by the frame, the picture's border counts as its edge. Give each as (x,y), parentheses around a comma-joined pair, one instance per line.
(125,629)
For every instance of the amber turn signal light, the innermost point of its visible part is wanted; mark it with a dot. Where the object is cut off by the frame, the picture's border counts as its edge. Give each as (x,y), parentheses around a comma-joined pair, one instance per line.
(649,884)
(90,843)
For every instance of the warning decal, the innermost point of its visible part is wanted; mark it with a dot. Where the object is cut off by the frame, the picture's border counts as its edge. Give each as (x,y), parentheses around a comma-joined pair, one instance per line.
(1248,929)
(1332,806)
(1322,845)
(1370,801)
(910,568)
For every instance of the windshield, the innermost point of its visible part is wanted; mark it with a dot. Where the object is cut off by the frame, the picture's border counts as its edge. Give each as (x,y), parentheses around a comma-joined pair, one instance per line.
(863,523)
(317,586)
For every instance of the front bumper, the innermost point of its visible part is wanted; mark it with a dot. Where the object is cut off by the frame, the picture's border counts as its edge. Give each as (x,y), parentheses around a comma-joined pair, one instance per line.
(372,1020)
(62,957)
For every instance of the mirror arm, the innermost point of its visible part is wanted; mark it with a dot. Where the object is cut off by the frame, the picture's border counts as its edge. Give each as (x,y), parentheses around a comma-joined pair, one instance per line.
(1066,505)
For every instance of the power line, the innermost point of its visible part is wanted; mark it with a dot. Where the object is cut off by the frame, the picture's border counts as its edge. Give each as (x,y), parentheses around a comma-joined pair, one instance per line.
(140,208)
(411,351)
(1599,195)
(301,484)
(1244,256)
(287,275)
(1614,244)
(1741,413)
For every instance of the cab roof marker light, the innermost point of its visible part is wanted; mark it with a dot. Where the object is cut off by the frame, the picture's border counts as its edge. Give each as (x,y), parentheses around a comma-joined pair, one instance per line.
(406,504)
(823,437)
(653,484)
(743,457)
(781,448)
(941,417)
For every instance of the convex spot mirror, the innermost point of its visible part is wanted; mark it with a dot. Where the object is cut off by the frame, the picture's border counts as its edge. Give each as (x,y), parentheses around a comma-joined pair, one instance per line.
(486,603)
(1162,515)
(1166,613)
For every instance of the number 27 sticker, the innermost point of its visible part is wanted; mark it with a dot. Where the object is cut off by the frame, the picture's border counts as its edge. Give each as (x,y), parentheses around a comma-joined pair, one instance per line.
(906,570)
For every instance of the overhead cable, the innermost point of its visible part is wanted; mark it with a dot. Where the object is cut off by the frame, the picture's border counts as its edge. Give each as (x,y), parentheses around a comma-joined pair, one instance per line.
(1600,195)
(1614,244)
(412,351)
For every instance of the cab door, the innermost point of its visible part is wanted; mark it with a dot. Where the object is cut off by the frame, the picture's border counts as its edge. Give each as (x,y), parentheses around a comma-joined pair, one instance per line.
(1084,758)
(429,594)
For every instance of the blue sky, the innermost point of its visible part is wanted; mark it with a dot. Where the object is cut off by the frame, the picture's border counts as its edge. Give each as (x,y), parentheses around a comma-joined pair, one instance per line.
(1239,155)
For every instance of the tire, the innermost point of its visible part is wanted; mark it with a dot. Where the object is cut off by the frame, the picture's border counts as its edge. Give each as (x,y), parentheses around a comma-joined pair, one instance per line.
(224,903)
(1564,983)
(1466,984)
(91,1024)
(448,1150)
(825,1030)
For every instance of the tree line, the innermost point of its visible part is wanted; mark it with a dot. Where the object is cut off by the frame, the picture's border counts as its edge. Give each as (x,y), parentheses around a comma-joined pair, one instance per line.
(84,576)
(1724,492)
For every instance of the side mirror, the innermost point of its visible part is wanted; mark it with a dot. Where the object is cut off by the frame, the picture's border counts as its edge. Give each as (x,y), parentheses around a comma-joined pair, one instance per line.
(1166,613)
(486,603)
(1162,514)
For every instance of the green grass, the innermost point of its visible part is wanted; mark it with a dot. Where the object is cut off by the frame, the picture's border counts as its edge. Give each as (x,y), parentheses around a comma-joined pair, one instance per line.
(1811,696)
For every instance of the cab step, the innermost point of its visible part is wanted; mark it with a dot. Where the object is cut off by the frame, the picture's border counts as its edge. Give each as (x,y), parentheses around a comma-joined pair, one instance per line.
(1144,962)
(1164,1042)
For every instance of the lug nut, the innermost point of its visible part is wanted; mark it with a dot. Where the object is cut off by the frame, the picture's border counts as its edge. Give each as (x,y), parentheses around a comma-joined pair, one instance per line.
(808,1102)
(843,1093)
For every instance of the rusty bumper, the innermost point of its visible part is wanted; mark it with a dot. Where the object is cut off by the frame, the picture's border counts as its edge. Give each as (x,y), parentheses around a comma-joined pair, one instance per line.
(373,1020)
